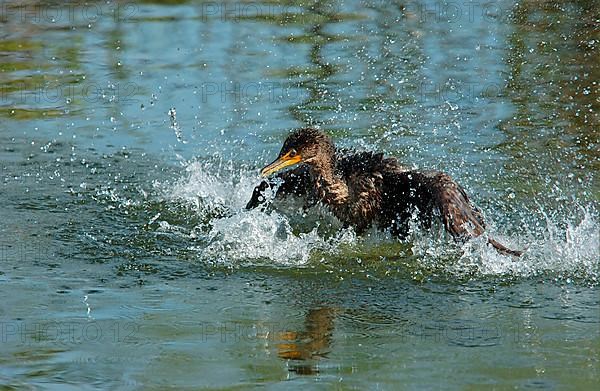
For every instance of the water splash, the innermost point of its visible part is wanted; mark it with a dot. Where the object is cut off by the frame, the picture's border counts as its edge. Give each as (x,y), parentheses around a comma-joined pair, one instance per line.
(255,236)
(561,246)
(218,192)
(559,243)
(210,185)
(175,125)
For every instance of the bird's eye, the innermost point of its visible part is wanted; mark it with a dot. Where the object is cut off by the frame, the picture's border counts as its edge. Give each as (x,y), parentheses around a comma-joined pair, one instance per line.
(292,153)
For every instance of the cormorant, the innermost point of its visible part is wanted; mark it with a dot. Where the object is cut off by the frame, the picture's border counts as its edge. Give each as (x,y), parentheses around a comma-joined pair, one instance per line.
(366,188)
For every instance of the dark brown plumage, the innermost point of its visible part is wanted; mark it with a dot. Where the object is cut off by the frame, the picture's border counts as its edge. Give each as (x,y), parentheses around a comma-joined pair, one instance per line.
(365,189)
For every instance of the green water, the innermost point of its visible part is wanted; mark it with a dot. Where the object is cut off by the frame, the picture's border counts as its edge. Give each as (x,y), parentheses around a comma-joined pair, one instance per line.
(131,134)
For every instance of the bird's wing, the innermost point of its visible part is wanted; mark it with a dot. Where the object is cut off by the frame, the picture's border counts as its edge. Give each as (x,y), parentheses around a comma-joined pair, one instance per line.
(460,217)
(296,181)
(430,190)
(425,192)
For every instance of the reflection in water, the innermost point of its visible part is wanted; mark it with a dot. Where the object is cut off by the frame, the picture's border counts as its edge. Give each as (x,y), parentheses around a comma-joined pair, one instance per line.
(323,13)
(552,82)
(305,347)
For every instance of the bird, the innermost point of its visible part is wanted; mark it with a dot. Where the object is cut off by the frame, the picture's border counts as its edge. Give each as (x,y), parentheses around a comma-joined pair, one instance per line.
(365,189)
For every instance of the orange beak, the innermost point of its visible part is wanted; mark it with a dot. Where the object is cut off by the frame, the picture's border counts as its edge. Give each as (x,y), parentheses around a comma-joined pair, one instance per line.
(281,162)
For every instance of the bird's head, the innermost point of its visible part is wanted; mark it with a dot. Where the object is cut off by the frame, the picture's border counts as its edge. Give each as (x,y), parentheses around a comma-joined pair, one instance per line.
(305,145)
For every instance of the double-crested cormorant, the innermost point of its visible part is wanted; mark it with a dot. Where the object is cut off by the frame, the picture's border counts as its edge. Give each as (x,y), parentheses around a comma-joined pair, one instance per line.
(365,189)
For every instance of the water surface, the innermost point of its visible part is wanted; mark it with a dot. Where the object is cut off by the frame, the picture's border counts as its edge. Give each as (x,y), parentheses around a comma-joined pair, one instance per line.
(131,136)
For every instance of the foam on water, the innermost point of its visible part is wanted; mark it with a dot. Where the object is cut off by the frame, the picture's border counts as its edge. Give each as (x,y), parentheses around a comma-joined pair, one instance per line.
(560,243)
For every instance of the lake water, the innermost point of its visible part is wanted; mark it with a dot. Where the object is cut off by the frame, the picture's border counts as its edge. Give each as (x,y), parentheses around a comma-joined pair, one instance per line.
(131,136)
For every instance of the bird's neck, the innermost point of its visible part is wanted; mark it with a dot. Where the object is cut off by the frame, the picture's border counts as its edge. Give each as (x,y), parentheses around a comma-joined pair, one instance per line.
(331,188)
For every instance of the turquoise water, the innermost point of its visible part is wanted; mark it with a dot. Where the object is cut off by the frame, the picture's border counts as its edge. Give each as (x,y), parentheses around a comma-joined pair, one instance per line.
(131,136)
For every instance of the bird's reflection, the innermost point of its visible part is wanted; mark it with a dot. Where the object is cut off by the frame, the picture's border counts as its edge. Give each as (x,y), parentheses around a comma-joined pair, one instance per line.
(305,347)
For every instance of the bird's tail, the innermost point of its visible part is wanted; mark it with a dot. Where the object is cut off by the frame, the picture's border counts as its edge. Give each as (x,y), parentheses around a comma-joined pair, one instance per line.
(502,249)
